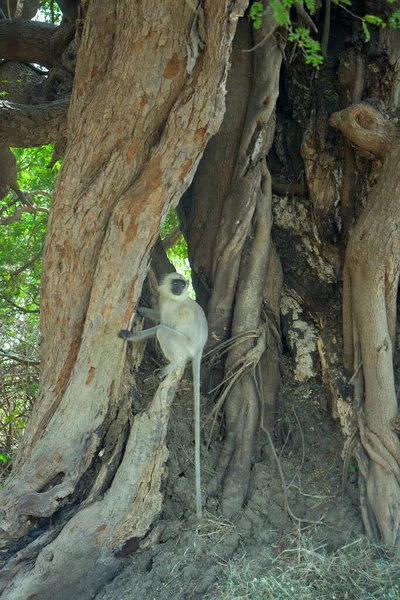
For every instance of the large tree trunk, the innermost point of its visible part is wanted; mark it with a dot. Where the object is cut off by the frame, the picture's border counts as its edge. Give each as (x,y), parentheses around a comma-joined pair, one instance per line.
(371,278)
(148,94)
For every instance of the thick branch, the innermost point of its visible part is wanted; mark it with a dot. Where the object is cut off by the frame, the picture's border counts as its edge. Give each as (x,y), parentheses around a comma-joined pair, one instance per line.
(172,238)
(20,309)
(364,126)
(28,264)
(24,126)
(32,41)
(19,211)
(303,15)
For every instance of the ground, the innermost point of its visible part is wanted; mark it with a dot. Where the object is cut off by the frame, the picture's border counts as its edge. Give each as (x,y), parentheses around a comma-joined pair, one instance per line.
(200,562)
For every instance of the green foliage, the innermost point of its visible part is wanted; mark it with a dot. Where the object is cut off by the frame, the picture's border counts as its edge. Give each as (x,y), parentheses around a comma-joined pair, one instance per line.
(370,19)
(281,12)
(374,20)
(20,269)
(255,14)
(310,5)
(301,35)
(22,241)
(312,48)
(49,12)
(18,383)
(394,19)
(33,172)
(366,31)
(178,254)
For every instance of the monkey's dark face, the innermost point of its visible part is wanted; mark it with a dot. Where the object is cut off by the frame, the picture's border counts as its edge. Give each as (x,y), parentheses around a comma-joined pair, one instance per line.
(177,286)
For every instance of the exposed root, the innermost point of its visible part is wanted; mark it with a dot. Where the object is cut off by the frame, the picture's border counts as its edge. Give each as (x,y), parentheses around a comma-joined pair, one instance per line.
(238,370)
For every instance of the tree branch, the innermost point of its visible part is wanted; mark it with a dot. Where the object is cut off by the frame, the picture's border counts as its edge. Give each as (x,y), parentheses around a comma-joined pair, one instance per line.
(28,264)
(19,308)
(33,41)
(327,27)
(23,126)
(20,359)
(18,212)
(172,238)
(302,14)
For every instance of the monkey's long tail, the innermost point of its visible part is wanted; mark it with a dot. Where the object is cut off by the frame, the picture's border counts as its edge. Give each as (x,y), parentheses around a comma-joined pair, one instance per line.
(196,394)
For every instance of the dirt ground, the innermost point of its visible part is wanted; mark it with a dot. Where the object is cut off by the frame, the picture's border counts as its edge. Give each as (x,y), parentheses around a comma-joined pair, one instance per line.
(184,561)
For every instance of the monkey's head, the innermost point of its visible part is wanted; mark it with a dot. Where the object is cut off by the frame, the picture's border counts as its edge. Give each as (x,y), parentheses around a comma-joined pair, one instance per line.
(175,286)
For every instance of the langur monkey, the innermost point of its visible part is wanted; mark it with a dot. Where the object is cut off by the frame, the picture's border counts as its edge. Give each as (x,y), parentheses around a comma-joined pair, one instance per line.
(182,333)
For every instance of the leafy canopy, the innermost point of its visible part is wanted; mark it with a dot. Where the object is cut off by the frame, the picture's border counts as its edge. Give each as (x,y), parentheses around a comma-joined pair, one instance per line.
(302,36)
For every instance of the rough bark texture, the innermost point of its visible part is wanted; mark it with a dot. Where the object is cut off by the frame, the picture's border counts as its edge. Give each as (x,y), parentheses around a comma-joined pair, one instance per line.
(371,278)
(118,180)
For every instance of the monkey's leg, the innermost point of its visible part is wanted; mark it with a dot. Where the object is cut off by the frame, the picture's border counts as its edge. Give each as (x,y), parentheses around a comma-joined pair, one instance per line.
(174,346)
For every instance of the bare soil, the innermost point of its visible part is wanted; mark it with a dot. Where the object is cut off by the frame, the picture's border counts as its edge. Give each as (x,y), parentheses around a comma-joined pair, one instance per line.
(183,560)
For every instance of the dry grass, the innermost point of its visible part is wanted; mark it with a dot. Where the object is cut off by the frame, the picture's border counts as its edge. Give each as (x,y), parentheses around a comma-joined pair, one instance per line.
(358,571)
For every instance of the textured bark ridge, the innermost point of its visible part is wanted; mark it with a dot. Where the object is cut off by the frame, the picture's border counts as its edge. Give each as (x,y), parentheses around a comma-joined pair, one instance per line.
(119,178)
(371,275)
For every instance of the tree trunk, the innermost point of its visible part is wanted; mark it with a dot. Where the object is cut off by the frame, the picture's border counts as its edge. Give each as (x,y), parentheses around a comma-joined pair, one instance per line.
(371,277)
(125,167)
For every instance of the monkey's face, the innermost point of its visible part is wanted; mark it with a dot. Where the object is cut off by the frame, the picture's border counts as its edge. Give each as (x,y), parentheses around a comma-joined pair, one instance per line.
(178,285)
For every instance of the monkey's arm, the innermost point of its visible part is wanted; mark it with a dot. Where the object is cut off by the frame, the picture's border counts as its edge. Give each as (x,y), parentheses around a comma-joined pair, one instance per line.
(148,313)
(152,332)
(146,334)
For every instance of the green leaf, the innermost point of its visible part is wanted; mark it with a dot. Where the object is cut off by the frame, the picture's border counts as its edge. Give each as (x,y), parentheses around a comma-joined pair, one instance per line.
(255,14)
(281,13)
(394,19)
(375,20)
(310,4)
(366,31)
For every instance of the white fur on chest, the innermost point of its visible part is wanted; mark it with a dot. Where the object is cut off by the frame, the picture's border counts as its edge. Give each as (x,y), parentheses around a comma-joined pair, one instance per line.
(187,318)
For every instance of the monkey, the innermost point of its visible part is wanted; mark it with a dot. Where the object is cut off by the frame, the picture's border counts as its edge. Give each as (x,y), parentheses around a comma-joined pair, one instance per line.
(182,334)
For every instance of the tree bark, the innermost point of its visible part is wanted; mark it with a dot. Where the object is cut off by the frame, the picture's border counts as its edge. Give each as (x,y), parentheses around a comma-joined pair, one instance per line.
(125,167)
(371,276)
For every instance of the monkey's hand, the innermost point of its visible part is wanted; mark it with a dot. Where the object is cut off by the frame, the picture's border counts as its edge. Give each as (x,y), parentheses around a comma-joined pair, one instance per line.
(125,334)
